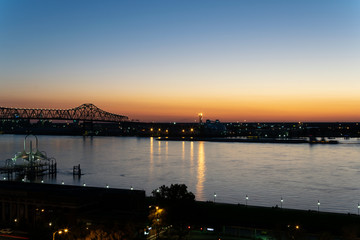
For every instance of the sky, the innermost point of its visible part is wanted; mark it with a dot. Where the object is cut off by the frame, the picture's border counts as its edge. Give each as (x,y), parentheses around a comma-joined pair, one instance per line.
(167,60)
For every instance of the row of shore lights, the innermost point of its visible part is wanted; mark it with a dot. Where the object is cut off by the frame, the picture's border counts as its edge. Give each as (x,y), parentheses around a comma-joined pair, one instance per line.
(159,130)
(84,184)
(282,201)
(246,197)
(63,183)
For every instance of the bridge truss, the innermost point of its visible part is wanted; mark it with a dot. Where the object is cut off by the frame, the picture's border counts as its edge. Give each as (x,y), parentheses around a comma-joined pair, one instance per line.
(85,112)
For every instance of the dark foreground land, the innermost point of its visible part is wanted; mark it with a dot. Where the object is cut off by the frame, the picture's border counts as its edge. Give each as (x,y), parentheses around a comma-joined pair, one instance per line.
(229,221)
(36,211)
(273,223)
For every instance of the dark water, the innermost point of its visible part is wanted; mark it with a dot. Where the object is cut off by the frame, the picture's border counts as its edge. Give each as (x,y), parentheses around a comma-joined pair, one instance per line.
(301,174)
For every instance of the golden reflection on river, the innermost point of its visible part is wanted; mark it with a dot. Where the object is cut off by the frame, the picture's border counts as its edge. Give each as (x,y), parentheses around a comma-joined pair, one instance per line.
(191,154)
(183,151)
(200,172)
(167,149)
(160,155)
(151,169)
(192,172)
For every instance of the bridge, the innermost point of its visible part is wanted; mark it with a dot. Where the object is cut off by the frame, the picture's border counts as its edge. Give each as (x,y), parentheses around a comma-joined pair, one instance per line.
(85,112)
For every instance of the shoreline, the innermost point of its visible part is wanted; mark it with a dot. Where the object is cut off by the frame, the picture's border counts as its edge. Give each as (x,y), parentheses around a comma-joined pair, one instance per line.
(249,140)
(222,216)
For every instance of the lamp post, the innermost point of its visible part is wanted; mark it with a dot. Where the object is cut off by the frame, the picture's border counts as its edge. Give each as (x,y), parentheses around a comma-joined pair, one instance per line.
(318,204)
(214,196)
(281,202)
(246,199)
(65,230)
(157,220)
(358,208)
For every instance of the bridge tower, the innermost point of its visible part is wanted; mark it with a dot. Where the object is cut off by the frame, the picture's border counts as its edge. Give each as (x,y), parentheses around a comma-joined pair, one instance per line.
(88,128)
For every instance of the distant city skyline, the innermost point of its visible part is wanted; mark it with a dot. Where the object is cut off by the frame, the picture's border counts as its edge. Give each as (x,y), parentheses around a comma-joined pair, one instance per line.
(167,61)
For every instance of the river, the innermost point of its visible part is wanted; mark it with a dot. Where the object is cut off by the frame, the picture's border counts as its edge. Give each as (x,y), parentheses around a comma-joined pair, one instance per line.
(300,174)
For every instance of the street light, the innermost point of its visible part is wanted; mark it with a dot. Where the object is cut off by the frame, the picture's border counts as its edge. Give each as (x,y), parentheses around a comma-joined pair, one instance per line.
(318,206)
(246,199)
(60,231)
(358,208)
(157,220)
(214,196)
(281,202)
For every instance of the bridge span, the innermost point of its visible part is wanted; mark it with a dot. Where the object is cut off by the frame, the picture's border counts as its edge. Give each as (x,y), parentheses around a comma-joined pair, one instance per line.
(85,112)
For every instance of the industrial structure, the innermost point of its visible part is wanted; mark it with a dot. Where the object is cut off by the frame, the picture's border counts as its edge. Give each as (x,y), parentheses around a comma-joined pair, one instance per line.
(30,163)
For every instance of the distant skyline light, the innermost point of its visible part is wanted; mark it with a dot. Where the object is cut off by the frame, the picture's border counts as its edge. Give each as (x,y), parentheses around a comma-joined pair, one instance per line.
(166,61)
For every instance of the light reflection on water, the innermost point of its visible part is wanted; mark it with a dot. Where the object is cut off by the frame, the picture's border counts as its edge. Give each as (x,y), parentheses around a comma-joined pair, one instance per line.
(300,173)
(201,172)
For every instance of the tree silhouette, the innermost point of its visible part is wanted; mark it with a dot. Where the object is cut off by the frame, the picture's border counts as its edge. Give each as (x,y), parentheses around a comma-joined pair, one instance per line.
(176,192)
(179,205)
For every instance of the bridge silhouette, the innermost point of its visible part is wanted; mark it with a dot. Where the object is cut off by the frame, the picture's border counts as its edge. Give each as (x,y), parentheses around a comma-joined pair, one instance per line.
(86,112)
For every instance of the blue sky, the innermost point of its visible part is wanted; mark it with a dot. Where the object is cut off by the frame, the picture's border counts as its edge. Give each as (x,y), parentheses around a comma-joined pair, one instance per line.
(230,59)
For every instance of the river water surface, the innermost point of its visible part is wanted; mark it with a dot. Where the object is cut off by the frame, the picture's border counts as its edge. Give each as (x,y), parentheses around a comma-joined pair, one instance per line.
(300,174)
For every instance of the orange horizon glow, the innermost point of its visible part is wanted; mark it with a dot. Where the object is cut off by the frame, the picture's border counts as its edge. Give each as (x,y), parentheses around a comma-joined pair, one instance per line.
(260,109)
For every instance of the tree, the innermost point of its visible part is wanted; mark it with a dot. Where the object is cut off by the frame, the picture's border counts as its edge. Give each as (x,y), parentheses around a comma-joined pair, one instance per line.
(176,192)
(179,205)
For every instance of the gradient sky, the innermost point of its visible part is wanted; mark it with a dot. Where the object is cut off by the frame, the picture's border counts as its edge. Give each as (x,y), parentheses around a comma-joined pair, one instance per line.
(169,60)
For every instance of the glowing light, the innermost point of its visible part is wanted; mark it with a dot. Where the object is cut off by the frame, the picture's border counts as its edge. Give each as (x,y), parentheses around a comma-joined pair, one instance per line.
(201,169)
(65,230)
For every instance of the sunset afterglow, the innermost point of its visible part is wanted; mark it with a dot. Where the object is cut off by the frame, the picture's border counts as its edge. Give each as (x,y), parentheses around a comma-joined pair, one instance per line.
(168,61)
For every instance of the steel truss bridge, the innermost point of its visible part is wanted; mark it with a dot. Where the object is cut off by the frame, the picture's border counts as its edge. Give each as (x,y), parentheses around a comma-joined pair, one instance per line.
(86,112)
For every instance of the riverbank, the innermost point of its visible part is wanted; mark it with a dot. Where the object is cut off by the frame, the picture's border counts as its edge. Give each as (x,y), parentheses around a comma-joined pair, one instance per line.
(76,206)
(275,218)
(208,219)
